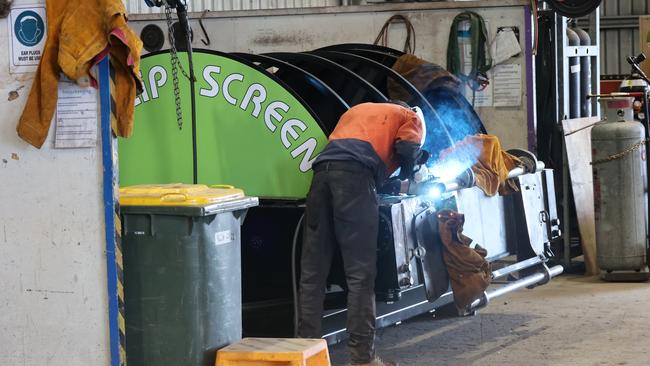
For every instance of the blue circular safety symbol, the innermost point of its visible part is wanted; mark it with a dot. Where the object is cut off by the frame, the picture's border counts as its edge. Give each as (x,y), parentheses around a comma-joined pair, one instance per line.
(29,28)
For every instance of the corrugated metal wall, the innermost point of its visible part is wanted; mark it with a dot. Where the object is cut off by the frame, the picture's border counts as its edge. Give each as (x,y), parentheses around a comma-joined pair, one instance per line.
(139,6)
(620,33)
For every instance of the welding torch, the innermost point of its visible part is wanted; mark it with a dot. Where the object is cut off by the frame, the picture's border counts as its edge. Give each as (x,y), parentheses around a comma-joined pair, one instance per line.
(434,188)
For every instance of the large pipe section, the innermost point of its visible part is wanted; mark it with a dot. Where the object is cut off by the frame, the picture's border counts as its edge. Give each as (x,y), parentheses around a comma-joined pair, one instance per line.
(536,279)
(517,267)
(466,179)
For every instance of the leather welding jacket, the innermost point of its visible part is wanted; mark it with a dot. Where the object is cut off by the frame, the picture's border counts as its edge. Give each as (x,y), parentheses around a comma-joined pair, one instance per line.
(381,136)
(80,33)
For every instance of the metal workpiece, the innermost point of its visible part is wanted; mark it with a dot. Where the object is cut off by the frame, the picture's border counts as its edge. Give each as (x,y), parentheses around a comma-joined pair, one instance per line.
(534,218)
(434,273)
(537,279)
(524,222)
(467,180)
(413,281)
(553,229)
(412,278)
(527,161)
(514,173)
(502,272)
(400,244)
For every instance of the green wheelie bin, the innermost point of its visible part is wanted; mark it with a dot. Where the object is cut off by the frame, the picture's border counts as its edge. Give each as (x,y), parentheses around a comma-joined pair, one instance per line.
(182,272)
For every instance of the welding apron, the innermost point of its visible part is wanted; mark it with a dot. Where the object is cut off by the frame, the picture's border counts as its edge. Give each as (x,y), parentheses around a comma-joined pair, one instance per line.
(469,272)
(80,33)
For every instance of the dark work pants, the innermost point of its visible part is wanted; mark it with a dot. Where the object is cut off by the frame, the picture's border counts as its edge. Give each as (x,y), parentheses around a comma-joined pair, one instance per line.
(341,210)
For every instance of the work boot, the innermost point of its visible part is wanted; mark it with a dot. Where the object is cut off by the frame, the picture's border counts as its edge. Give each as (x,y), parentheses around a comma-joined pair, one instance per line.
(376,362)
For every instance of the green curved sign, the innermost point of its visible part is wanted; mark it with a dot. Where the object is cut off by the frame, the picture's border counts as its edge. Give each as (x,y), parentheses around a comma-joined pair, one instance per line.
(252,132)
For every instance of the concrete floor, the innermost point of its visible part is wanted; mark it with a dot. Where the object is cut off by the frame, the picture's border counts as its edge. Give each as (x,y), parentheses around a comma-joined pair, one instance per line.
(573,320)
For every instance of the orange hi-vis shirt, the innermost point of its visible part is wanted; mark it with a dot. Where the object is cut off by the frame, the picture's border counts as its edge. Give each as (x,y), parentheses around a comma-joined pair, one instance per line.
(381,125)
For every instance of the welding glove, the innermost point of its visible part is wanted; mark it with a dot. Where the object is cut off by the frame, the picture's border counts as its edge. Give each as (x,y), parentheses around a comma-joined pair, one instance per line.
(421,174)
(409,155)
(423,158)
(392,186)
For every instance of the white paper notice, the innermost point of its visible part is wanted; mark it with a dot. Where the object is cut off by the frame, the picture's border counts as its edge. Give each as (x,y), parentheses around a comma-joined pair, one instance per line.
(504,46)
(507,85)
(76,116)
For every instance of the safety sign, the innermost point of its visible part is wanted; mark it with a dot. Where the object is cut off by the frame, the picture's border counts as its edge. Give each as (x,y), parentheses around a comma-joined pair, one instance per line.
(27,27)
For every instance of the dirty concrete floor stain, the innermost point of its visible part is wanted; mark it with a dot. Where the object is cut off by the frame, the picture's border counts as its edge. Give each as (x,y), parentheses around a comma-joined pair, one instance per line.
(573,320)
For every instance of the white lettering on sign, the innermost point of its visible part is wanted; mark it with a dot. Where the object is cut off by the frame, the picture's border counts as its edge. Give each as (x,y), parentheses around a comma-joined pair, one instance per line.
(157,79)
(255,95)
(308,147)
(290,128)
(272,112)
(226,87)
(214,86)
(144,96)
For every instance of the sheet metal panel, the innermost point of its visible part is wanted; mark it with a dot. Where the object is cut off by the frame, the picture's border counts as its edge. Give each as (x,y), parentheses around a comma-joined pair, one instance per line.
(485,219)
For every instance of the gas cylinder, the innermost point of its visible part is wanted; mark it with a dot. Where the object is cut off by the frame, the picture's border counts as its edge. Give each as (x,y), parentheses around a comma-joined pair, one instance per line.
(618,165)
(574,77)
(585,73)
(632,84)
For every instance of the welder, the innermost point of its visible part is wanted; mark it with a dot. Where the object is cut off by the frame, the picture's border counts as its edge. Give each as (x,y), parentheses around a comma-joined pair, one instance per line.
(369,143)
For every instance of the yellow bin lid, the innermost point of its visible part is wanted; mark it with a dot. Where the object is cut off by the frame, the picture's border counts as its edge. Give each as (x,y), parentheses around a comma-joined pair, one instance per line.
(177,194)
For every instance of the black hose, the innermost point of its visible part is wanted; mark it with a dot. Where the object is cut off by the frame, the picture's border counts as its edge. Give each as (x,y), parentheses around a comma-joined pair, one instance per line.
(294,285)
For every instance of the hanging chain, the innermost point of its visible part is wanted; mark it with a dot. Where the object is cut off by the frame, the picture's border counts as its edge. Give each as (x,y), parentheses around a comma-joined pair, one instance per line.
(176,64)
(621,154)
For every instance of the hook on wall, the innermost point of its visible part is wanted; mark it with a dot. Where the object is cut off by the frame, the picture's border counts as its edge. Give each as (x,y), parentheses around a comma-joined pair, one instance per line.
(205,41)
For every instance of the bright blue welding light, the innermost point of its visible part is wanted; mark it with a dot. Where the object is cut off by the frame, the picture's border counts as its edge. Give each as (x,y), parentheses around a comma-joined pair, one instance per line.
(449,170)
(435,192)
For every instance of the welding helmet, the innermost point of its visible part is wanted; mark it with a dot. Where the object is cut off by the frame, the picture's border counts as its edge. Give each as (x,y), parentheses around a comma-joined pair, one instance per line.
(418,111)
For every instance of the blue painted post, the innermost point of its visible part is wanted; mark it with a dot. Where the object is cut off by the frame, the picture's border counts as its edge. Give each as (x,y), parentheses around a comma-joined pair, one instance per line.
(110,189)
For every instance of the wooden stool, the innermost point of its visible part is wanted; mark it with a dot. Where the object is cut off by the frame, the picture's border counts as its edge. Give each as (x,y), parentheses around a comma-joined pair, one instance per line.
(275,352)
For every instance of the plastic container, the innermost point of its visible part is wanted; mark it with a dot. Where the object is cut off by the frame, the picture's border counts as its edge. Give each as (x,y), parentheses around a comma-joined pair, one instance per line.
(182,272)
